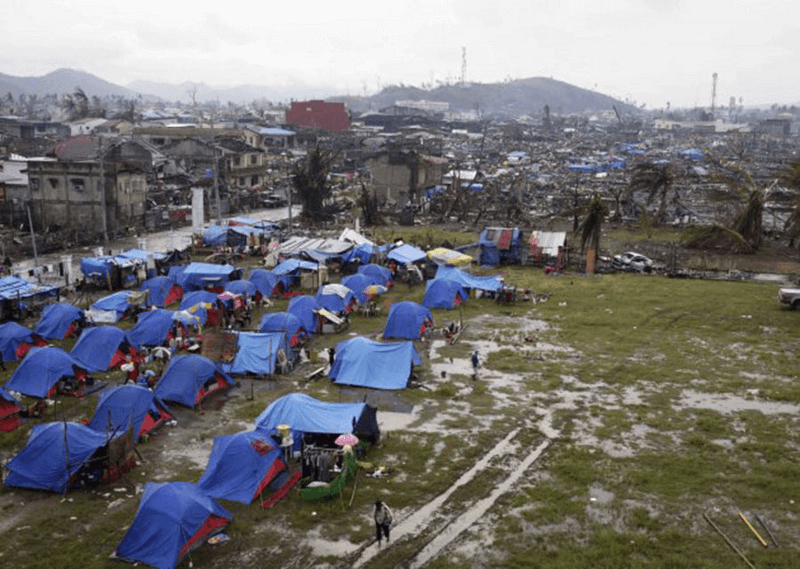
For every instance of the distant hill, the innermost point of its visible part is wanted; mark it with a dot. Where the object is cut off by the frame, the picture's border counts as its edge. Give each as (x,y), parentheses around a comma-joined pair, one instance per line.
(238,94)
(62,81)
(510,98)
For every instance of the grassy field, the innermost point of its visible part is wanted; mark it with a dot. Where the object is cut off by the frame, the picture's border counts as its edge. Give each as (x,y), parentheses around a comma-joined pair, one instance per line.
(663,399)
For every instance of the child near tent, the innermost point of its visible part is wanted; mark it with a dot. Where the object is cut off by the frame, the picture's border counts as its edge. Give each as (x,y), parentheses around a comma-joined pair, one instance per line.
(383,520)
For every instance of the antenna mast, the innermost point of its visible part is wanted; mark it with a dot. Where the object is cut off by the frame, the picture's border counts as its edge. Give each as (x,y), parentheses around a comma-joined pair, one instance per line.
(463,65)
(714,93)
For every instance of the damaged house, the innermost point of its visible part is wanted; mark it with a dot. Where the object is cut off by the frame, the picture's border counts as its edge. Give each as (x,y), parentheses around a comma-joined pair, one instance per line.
(399,174)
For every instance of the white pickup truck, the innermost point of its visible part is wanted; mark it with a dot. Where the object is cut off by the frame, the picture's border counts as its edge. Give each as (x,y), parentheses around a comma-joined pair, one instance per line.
(790,297)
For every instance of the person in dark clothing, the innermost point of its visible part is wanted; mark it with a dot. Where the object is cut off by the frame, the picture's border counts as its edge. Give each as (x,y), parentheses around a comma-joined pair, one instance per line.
(331,356)
(475,363)
(383,521)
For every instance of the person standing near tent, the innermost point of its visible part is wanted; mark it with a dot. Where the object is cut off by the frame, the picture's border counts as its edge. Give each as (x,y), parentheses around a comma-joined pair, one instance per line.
(475,363)
(383,521)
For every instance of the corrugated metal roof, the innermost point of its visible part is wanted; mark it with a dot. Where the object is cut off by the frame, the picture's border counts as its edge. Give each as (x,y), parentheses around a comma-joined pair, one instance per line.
(548,241)
(298,244)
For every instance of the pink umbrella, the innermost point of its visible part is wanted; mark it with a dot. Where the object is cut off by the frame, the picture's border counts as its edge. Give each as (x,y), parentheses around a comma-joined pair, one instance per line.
(345,440)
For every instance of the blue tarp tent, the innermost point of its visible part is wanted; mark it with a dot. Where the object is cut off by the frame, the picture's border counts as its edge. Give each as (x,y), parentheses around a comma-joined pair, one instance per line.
(377,272)
(500,244)
(285,322)
(59,320)
(197,297)
(54,453)
(242,287)
(405,254)
(366,363)
(259,353)
(265,281)
(115,303)
(304,308)
(289,271)
(443,293)
(191,377)
(175,272)
(11,336)
(141,255)
(40,371)
(101,348)
(215,236)
(305,414)
(468,281)
(127,406)
(198,276)
(405,320)
(335,297)
(241,466)
(693,154)
(362,253)
(358,282)
(161,291)
(13,288)
(152,328)
(173,519)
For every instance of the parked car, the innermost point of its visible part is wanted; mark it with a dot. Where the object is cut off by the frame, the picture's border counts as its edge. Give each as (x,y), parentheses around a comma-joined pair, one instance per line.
(631,261)
(790,297)
(272,201)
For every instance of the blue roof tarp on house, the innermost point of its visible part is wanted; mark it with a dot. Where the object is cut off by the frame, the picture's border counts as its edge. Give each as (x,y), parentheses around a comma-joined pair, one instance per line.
(241,466)
(189,378)
(468,281)
(366,363)
(97,348)
(405,320)
(443,293)
(126,406)
(11,336)
(304,308)
(12,288)
(161,291)
(377,272)
(305,414)
(200,275)
(257,353)
(405,254)
(40,370)
(152,328)
(173,519)
(264,280)
(56,320)
(54,452)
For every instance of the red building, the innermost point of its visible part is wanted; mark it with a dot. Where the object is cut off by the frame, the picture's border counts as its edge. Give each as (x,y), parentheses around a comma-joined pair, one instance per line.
(318,114)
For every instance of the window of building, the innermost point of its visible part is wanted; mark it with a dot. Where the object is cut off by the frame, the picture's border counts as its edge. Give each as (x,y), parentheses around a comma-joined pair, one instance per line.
(253,158)
(241,181)
(77,184)
(34,184)
(53,182)
(254,181)
(236,161)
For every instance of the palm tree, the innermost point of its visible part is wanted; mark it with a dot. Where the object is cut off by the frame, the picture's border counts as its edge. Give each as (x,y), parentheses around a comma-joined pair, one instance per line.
(590,230)
(657,178)
(791,178)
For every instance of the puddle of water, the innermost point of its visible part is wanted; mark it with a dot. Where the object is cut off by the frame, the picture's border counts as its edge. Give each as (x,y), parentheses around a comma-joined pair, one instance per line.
(725,403)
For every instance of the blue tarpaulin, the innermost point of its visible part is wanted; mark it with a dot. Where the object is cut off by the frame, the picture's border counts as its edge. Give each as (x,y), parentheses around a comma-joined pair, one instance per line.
(308,415)
(405,254)
(264,280)
(405,320)
(161,291)
(12,288)
(241,466)
(304,308)
(189,378)
(242,287)
(215,236)
(366,363)
(358,282)
(377,272)
(40,370)
(443,293)
(335,297)
(152,328)
(97,348)
(116,302)
(257,353)
(56,320)
(283,322)
(197,297)
(55,451)
(468,281)
(11,336)
(126,406)
(200,275)
(171,515)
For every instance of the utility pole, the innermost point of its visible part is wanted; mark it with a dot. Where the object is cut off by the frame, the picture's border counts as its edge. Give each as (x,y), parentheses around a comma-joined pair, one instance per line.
(713,93)
(33,241)
(216,188)
(103,190)
(463,65)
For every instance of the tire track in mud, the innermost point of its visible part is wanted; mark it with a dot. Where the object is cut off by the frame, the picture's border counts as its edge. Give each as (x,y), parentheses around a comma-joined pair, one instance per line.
(414,524)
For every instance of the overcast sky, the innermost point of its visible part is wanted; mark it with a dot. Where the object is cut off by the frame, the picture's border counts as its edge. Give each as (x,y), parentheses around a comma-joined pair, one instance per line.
(644,51)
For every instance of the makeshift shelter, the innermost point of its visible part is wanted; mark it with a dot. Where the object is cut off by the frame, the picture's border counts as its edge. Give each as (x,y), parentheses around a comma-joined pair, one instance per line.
(549,247)
(261,354)
(441,256)
(199,276)
(56,455)
(10,409)
(382,275)
(102,348)
(405,254)
(60,321)
(469,281)
(243,288)
(266,282)
(16,340)
(366,363)
(162,291)
(190,378)
(285,322)
(17,293)
(203,304)
(336,297)
(444,293)
(501,245)
(290,272)
(304,414)
(305,307)
(195,297)
(241,466)
(115,306)
(113,272)
(358,283)
(173,519)
(215,236)
(153,328)
(39,373)
(129,407)
(361,253)
(407,320)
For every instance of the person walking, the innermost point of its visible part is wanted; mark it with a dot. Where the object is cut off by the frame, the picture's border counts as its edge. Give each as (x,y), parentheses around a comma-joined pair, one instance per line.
(383,521)
(475,363)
